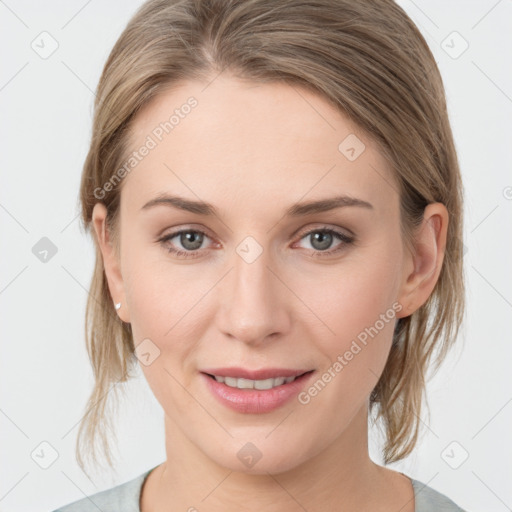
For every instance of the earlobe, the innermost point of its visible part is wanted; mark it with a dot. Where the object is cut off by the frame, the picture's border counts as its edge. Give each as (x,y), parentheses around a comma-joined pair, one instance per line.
(426,261)
(111,260)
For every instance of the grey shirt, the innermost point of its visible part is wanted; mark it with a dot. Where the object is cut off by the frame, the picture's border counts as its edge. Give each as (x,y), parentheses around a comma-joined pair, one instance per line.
(126,497)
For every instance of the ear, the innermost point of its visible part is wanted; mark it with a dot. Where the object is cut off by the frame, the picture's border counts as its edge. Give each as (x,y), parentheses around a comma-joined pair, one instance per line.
(111,260)
(423,267)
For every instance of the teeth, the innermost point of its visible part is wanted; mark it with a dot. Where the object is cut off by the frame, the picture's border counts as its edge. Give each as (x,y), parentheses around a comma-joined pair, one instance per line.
(242,383)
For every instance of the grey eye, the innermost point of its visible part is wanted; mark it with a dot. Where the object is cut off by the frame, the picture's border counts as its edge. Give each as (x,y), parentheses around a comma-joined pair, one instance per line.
(191,240)
(321,240)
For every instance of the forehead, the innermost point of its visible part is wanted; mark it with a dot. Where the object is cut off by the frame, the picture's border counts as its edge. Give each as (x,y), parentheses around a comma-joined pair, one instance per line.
(272,141)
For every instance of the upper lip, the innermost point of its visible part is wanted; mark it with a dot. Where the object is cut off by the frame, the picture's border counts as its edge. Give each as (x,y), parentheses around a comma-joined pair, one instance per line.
(262,374)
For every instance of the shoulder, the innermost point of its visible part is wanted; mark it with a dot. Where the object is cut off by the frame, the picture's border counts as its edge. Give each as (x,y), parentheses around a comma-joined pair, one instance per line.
(428,499)
(121,498)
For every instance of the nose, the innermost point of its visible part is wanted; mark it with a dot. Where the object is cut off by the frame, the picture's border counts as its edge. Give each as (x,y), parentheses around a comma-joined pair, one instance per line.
(254,303)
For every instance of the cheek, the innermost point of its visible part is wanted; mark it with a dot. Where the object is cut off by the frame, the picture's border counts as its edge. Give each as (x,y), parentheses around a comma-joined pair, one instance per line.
(357,308)
(354,296)
(361,320)
(159,294)
(168,305)
(164,310)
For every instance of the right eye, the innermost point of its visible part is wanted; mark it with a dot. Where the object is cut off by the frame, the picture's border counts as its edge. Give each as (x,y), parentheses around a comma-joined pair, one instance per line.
(189,239)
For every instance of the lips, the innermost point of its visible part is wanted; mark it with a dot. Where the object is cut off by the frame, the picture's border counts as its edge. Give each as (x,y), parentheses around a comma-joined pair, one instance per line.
(262,374)
(255,391)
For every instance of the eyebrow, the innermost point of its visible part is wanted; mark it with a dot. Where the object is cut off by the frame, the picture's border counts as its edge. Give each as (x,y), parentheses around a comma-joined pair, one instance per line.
(296,210)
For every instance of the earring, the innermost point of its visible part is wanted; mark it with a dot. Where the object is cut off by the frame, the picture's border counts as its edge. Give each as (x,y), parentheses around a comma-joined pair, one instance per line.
(118,305)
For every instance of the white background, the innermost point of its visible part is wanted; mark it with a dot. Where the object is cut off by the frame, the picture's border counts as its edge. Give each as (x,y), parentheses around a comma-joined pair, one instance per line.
(45,373)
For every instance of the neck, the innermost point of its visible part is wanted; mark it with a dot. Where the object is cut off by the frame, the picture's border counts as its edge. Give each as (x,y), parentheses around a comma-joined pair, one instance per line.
(337,478)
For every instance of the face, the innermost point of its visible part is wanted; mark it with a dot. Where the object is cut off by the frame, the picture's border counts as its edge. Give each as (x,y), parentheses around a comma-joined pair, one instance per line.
(256,283)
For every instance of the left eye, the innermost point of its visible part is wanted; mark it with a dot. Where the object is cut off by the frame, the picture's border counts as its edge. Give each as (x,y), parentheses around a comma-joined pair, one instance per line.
(321,239)
(191,241)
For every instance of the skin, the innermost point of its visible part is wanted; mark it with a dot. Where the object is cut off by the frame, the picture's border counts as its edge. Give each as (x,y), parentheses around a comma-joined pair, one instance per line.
(252,150)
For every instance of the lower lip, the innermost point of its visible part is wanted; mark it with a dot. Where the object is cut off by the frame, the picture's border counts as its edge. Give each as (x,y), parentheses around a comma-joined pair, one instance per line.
(255,401)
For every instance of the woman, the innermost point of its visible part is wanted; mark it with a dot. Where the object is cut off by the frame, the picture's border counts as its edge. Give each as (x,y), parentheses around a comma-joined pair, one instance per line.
(276,203)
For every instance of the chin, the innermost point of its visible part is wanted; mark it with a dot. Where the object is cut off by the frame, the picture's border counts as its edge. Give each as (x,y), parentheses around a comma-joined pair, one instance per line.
(252,459)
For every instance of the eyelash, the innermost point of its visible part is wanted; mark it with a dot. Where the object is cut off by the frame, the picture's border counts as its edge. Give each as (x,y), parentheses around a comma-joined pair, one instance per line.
(346,239)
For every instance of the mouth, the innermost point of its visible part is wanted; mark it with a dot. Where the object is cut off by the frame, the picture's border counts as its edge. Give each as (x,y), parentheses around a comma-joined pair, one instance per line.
(259,384)
(255,392)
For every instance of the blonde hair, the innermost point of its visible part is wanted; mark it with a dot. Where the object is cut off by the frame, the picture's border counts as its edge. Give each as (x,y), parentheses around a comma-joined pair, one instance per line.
(367,59)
